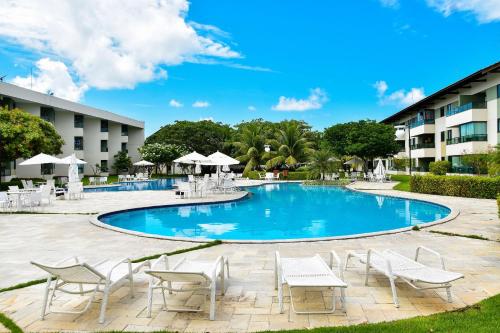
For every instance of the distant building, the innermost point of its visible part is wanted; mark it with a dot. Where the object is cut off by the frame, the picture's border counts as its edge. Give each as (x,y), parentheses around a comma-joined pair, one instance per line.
(94,135)
(462,118)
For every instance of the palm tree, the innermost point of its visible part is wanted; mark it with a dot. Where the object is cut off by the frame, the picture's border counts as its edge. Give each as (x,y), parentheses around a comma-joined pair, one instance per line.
(291,145)
(250,147)
(322,161)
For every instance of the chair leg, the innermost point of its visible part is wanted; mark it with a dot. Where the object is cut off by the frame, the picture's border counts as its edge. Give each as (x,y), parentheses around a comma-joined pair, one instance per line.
(227,267)
(280,296)
(367,273)
(45,298)
(131,284)
(342,299)
(212,300)
(394,292)
(448,293)
(150,300)
(347,260)
(102,316)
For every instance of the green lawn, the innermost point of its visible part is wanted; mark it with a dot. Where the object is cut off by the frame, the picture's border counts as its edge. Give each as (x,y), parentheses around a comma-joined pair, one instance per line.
(404,184)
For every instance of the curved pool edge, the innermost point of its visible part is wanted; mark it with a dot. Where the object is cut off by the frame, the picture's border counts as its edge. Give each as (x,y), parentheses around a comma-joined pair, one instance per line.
(454,213)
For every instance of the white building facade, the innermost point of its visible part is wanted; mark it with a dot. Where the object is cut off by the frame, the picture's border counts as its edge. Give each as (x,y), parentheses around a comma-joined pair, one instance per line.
(458,120)
(94,135)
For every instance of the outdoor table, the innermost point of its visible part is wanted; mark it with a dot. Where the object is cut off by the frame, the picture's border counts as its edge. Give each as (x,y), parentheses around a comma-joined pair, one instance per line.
(19,201)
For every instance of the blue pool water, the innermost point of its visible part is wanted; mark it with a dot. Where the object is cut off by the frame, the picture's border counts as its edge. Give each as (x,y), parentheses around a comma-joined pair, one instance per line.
(158,184)
(281,211)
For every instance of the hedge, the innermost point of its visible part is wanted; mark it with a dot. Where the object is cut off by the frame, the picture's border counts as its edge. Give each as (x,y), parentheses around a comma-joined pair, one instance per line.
(457,186)
(292,175)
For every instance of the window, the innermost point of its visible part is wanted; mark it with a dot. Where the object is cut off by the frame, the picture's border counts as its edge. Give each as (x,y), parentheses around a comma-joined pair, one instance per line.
(78,121)
(5,169)
(104,125)
(124,147)
(124,130)
(443,136)
(473,128)
(48,114)
(78,143)
(47,169)
(498,125)
(104,165)
(104,146)
(81,169)
(448,135)
(441,111)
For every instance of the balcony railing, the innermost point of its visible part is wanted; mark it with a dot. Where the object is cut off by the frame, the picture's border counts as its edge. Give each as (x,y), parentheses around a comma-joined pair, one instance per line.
(423,145)
(421,122)
(462,169)
(467,138)
(465,107)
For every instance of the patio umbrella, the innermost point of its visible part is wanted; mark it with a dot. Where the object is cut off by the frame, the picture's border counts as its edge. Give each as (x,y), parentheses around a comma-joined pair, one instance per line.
(73,169)
(379,170)
(69,160)
(143,163)
(354,161)
(192,158)
(41,159)
(219,158)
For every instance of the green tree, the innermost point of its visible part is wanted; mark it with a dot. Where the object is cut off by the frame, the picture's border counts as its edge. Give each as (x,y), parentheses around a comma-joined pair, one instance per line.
(205,137)
(250,146)
(24,135)
(122,162)
(494,161)
(161,154)
(400,164)
(439,167)
(366,139)
(478,162)
(290,145)
(323,161)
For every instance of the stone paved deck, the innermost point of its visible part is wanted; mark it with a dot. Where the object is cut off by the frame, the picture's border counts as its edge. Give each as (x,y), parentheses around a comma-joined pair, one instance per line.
(250,302)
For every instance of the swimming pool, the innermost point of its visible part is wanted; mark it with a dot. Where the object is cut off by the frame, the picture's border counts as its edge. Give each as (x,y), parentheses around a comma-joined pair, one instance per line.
(151,185)
(281,212)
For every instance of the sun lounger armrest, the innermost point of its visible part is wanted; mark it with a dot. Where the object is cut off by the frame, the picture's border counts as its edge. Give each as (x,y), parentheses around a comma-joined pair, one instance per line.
(388,266)
(421,247)
(125,260)
(218,261)
(162,259)
(333,255)
(75,258)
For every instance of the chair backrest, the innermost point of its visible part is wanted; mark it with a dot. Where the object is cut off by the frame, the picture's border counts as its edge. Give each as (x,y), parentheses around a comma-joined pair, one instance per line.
(177,276)
(45,190)
(13,188)
(29,182)
(4,197)
(79,273)
(91,179)
(269,175)
(191,178)
(23,182)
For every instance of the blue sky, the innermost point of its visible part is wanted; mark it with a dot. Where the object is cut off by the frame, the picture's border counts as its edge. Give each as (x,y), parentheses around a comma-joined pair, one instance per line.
(321,61)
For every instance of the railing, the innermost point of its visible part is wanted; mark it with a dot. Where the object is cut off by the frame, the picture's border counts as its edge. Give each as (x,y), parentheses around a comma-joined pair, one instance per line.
(421,122)
(465,107)
(423,145)
(467,138)
(462,169)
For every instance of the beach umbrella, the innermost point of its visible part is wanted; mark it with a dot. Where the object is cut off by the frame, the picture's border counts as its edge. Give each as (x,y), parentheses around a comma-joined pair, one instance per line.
(69,160)
(143,163)
(41,159)
(192,158)
(379,170)
(219,158)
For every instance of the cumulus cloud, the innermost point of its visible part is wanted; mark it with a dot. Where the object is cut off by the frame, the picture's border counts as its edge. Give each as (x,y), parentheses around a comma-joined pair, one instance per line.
(175,104)
(390,3)
(201,104)
(113,43)
(52,76)
(316,99)
(485,11)
(399,97)
(251,108)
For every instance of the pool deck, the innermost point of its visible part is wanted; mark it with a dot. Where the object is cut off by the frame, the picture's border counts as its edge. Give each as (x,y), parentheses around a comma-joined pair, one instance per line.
(250,303)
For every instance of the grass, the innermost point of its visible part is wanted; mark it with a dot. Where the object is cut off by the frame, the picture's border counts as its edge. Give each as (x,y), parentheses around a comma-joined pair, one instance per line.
(9,324)
(404,182)
(458,235)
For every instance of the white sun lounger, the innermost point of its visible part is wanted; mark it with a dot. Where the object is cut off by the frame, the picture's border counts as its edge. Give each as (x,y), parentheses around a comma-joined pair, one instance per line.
(394,266)
(308,272)
(103,277)
(203,274)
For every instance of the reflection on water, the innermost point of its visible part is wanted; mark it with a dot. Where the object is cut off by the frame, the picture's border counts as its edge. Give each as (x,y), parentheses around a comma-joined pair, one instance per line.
(152,185)
(283,211)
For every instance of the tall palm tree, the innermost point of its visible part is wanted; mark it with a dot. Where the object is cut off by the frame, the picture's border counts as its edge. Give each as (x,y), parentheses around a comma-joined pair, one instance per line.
(250,146)
(291,145)
(323,161)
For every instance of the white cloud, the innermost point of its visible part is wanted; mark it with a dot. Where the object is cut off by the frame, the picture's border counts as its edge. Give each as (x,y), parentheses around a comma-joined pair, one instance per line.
(52,76)
(201,104)
(207,119)
(399,97)
(113,43)
(316,99)
(390,3)
(485,11)
(175,104)
(251,108)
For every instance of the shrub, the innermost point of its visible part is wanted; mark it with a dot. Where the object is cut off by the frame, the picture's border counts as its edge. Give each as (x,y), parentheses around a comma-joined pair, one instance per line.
(292,175)
(498,204)
(457,186)
(439,167)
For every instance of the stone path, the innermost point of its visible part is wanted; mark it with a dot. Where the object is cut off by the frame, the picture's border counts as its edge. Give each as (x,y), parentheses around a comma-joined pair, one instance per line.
(250,302)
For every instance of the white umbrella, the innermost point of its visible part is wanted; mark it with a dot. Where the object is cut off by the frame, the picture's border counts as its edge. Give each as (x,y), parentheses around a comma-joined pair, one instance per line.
(379,170)
(197,169)
(219,158)
(354,161)
(69,160)
(192,158)
(143,163)
(225,168)
(41,159)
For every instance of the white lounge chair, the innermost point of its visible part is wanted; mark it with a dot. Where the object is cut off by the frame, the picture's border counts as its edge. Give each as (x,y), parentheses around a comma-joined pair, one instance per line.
(103,277)
(276,176)
(262,176)
(308,272)
(394,266)
(203,274)
(5,202)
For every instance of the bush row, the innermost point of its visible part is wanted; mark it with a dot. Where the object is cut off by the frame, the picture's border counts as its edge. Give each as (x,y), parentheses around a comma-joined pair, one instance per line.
(292,175)
(457,186)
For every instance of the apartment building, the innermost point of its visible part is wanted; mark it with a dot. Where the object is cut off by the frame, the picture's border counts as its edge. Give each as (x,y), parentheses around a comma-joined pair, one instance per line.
(94,135)
(460,119)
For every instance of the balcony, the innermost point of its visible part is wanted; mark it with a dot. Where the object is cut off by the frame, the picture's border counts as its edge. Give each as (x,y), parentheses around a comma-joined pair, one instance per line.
(423,145)
(423,150)
(467,138)
(423,126)
(466,113)
(469,144)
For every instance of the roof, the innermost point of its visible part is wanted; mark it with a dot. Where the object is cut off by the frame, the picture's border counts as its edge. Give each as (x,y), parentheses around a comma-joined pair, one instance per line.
(449,90)
(30,96)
